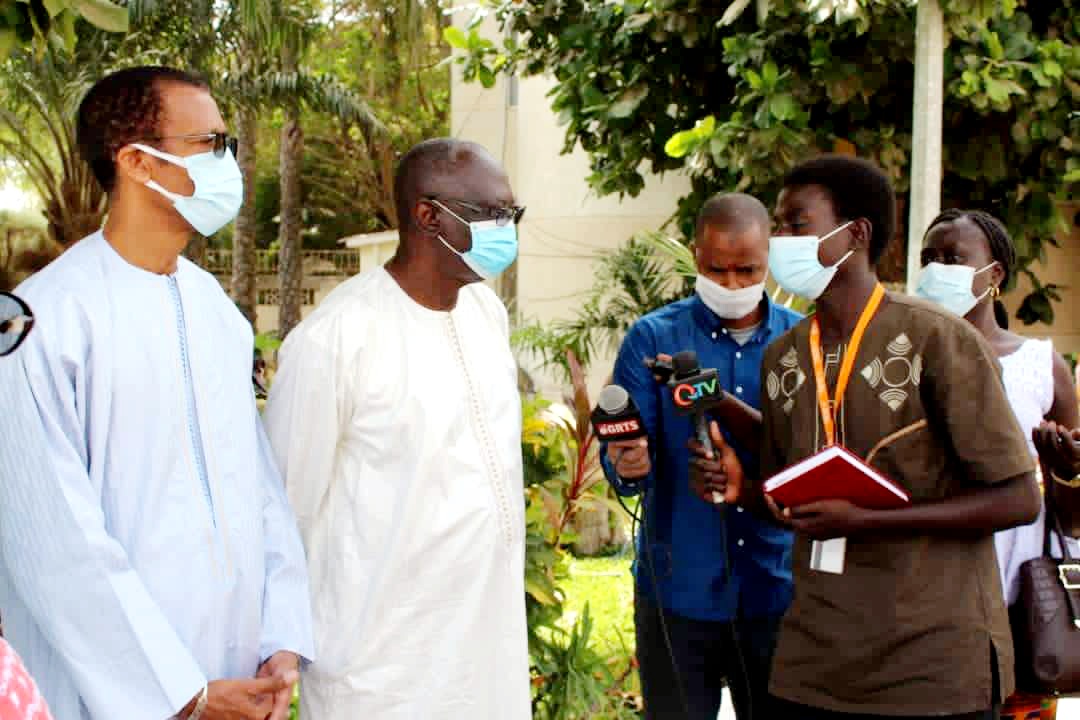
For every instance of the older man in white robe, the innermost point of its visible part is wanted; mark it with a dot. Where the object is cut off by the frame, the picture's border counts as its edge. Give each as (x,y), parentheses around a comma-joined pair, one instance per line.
(152,568)
(396,420)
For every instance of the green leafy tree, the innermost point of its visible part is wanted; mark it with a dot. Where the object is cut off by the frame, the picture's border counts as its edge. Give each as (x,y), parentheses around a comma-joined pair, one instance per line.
(735,97)
(262,74)
(291,29)
(239,46)
(389,52)
(571,680)
(41,86)
(37,24)
(38,95)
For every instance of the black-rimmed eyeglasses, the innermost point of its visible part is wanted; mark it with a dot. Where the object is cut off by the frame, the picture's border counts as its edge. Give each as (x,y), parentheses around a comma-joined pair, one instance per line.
(16,320)
(221,141)
(501,215)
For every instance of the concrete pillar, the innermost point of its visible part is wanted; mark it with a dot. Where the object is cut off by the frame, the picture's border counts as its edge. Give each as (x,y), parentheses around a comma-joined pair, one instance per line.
(928,105)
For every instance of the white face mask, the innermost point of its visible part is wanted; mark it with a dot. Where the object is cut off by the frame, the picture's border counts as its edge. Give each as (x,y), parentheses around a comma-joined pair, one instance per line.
(793,262)
(219,188)
(951,286)
(726,303)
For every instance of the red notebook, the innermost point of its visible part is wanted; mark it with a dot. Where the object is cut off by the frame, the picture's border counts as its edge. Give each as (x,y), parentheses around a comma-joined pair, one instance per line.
(835,474)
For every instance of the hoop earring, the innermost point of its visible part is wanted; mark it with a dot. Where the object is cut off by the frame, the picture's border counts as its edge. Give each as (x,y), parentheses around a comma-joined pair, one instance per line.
(994,291)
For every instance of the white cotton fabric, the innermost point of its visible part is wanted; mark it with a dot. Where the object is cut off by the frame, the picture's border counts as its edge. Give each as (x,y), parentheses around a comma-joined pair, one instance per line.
(1028,374)
(122,585)
(398,430)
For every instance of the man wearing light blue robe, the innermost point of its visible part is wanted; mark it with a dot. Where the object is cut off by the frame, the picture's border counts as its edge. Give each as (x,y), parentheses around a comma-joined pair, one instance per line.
(147,549)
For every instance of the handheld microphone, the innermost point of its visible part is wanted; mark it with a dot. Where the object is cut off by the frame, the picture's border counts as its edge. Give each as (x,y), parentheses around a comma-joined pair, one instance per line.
(694,391)
(616,417)
(662,370)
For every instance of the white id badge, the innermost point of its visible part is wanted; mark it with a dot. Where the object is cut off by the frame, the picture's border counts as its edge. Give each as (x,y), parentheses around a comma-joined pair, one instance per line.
(828,555)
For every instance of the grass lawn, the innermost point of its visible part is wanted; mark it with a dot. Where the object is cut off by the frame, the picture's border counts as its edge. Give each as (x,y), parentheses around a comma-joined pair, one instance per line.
(606,585)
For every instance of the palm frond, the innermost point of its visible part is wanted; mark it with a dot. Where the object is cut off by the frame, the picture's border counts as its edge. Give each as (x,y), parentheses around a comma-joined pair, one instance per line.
(37,131)
(320,93)
(255,19)
(680,256)
(139,10)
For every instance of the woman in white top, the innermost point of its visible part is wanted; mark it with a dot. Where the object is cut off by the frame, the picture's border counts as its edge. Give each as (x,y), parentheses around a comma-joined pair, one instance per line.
(967,258)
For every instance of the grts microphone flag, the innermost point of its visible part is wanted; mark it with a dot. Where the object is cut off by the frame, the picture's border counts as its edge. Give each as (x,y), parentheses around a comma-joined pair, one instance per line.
(616,417)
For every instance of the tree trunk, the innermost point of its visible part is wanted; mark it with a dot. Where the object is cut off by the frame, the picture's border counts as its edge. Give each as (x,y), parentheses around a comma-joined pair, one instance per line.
(196,250)
(244,276)
(386,176)
(78,207)
(67,227)
(592,525)
(290,260)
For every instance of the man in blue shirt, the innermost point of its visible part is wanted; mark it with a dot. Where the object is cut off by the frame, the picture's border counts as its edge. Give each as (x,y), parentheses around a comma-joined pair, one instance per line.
(712,582)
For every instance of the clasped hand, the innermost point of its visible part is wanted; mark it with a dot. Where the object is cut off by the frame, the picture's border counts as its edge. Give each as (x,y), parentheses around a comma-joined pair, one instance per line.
(266,697)
(1059,447)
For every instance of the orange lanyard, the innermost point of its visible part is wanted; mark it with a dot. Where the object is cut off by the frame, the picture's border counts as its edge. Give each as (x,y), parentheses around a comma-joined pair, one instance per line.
(830,411)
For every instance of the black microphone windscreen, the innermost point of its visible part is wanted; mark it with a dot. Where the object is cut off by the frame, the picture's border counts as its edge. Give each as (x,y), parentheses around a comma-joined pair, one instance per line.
(613,399)
(685,363)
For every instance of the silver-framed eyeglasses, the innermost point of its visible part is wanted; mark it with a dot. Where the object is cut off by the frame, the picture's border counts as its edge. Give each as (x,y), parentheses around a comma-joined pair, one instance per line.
(16,321)
(501,215)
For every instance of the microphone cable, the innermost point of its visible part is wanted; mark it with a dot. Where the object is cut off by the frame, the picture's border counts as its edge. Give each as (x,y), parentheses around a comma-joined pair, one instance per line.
(732,624)
(635,519)
(658,606)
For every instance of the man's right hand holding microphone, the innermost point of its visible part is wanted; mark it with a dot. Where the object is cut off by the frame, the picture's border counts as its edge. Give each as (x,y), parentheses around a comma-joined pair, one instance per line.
(715,473)
(630,458)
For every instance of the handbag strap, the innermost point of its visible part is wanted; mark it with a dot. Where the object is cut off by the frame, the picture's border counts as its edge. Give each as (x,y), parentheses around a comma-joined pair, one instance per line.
(1067,564)
(1053,522)
(1049,514)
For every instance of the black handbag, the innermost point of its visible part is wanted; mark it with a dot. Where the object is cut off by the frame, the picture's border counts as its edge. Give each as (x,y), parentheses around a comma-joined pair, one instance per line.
(1046,616)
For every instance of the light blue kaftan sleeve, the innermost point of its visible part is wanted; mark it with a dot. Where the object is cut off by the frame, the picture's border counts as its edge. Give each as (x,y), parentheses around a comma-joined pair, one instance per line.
(110,639)
(286,619)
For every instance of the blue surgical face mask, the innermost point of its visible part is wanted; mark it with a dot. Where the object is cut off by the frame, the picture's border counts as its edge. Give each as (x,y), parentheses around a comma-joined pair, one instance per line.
(494,247)
(794,264)
(950,286)
(219,188)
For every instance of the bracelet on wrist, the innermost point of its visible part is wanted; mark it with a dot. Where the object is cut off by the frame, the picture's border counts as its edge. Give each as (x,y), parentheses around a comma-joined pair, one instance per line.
(1073,482)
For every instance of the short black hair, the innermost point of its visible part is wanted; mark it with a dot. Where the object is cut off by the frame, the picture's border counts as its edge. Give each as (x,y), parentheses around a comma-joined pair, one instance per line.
(735,212)
(421,169)
(858,189)
(997,236)
(122,108)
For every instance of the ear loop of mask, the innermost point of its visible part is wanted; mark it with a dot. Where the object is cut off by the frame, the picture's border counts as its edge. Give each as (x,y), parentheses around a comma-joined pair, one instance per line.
(451,248)
(167,157)
(990,288)
(829,234)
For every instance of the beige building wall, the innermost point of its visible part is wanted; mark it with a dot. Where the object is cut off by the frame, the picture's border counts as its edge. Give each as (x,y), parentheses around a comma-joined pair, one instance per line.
(566,225)
(1062,268)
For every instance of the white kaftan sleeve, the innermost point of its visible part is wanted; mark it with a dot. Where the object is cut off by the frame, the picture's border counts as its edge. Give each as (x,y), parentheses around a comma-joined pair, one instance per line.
(303,421)
(76,579)
(286,620)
